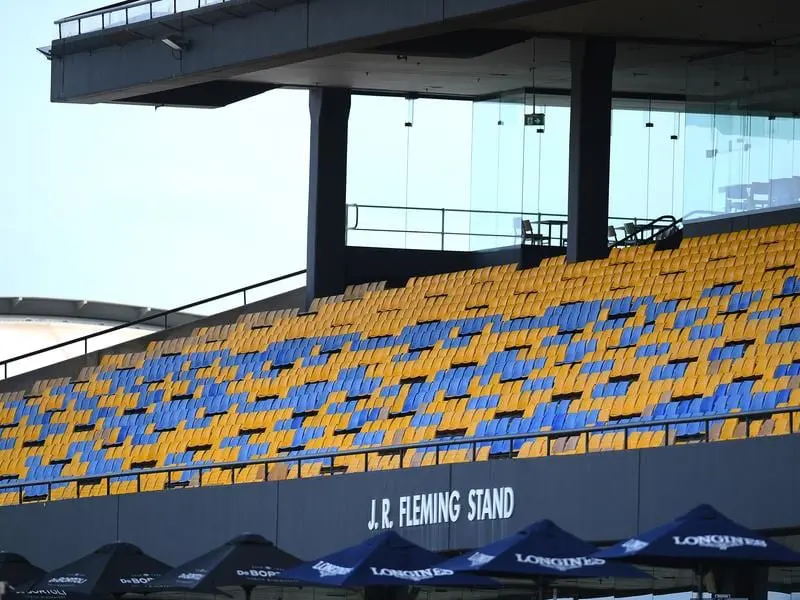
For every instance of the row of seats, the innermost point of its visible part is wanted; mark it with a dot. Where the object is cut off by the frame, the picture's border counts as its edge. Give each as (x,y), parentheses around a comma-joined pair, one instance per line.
(708,330)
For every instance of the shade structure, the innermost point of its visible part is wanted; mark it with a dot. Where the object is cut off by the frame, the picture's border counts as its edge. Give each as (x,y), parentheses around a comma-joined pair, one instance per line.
(385,560)
(246,561)
(16,570)
(541,550)
(111,570)
(702,537)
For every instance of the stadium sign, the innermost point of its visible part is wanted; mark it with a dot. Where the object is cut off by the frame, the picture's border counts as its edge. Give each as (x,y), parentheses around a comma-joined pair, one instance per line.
(477,504)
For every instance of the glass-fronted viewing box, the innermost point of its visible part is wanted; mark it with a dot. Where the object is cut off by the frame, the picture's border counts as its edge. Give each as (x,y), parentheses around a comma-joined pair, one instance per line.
(458,175)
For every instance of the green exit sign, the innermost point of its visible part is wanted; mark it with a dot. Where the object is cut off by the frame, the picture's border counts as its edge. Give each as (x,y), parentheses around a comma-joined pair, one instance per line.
(534,120)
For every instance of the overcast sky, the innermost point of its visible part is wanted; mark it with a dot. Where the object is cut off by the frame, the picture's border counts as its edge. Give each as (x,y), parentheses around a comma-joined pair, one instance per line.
(136,205)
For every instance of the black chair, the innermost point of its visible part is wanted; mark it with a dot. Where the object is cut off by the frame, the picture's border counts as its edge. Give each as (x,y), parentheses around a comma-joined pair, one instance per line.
(612,235)
(632,232)
(528,235)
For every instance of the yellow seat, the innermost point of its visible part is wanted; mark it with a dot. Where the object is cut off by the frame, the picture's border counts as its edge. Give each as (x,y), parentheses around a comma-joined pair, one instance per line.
(582,343)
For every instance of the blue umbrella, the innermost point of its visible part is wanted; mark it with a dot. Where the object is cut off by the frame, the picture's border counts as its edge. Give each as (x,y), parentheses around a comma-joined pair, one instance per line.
(246,561)
(541,550)
(16,570)
(701,537)
(111,570)
(383,560)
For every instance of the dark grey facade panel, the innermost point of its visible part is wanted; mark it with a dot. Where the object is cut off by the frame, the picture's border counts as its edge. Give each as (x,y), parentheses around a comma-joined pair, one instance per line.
(328,25)
(600,497)
(365,264)
(756,482)
(595,498)
(53,533)
(175,526)
(460,8)
(265,35)
(319,515)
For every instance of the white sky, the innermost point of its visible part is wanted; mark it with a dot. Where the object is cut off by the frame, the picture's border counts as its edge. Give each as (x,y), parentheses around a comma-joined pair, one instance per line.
(133,205)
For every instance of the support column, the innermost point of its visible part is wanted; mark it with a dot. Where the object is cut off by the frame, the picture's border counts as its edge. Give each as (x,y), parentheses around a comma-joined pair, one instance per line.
(327,192)
(589,147)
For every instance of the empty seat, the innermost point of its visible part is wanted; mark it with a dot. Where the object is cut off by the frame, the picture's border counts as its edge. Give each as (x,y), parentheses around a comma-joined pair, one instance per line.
(709,330)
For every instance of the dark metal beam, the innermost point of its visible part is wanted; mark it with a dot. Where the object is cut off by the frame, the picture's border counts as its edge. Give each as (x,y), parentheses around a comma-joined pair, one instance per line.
(589,148)
(329,110)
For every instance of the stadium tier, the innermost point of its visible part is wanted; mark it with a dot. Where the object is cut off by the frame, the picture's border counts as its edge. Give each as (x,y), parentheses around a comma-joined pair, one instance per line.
(709,329)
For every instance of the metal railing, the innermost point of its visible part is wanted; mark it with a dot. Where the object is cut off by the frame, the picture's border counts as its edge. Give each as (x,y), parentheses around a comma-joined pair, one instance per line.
(552,226)
(435,446)
(123,14)
(702,213)
(159,319)
(660,226)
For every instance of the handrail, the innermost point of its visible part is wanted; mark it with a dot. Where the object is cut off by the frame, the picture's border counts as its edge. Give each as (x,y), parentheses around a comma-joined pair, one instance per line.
(105,9)
(164,313)
(512,213)
(712,213)
(402,449)
(172,8)
(537,218)
(671,222)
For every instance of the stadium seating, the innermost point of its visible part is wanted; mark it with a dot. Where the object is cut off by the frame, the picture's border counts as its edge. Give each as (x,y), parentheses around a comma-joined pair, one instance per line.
(710,329)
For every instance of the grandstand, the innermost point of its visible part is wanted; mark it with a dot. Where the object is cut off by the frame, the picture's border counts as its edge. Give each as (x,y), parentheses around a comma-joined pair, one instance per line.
(708,329)
(569,375)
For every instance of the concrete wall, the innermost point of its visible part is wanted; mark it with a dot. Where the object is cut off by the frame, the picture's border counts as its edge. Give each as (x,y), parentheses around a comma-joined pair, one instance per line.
(600,497)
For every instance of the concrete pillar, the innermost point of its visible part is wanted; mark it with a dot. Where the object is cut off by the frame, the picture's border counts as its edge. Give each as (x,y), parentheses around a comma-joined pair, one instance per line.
(327,192)
(589,147)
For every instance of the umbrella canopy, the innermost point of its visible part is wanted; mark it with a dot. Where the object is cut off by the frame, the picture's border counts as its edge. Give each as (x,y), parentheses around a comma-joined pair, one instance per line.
(701,536)
(383,560)
(540,550)
(16,570)
(245,561)
(111,570)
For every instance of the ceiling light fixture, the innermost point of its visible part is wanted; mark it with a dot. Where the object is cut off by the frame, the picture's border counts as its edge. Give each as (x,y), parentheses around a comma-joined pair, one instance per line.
(176,43)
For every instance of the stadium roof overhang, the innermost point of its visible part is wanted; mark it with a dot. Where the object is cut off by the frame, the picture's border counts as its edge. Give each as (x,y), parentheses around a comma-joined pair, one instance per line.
(58,309)
(233,49)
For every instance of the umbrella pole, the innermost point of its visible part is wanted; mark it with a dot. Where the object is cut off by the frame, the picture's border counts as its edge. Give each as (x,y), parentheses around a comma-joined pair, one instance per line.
(700,582)
(541,587)
(248,591)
